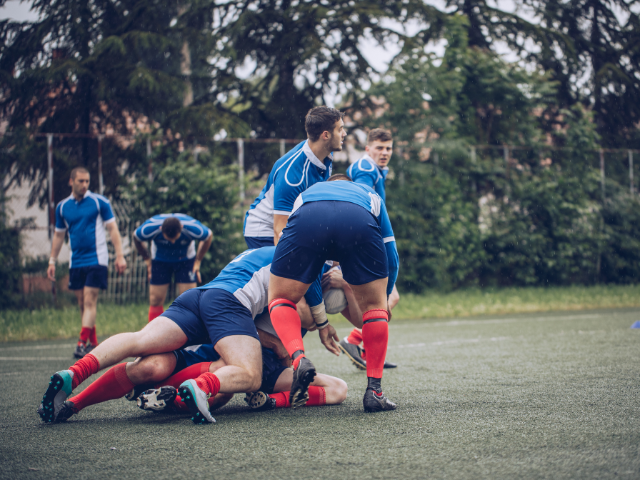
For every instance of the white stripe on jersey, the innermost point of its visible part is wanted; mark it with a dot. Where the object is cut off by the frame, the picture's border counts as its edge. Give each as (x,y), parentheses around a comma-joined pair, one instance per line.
(255,294)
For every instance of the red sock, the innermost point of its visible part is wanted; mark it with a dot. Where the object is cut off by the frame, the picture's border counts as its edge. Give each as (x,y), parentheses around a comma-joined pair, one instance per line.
(155,311)
(317,397)
(355,337)
(85,333)
(93,337)
(286,322)
(113,384)
(84,368)
(208,383)
(375,333)
(192,372)
(282,399)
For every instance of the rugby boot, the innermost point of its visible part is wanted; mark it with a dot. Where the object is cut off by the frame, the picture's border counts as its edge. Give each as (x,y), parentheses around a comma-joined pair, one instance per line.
(353,353)
(302,377)
(376,401)
(88,348)
(80,351)
(197,401)
(390,365)
(260,401)
(157,399)
(136,391)
(59,389)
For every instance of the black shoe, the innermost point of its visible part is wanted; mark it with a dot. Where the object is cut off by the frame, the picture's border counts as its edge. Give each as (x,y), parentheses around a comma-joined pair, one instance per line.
(88,348)
(353,353)
(137,390)
(55,396)
(157,399)
(390,365)
(260,401)
(80,351)
(376,402)
(302,377)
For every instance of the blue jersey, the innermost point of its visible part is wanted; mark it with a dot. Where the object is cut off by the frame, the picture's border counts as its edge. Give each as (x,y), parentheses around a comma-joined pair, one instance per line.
(367,172)
(85,221)
(247,278)
(290,176)
(364,196)
(184,247)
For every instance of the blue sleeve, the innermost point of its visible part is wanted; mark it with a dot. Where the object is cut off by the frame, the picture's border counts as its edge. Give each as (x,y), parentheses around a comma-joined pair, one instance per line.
(314,293)
(60,223)
(196,230)
(147,231)
(105,210)
(364,172)
(287,185)
(390,246)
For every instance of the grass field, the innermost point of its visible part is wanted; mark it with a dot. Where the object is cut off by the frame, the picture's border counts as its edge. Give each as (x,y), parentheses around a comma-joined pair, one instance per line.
(552,395)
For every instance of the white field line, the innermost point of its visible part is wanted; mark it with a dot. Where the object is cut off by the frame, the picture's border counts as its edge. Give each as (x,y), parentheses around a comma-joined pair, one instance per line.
(32,359)
(40,347)
(450,342)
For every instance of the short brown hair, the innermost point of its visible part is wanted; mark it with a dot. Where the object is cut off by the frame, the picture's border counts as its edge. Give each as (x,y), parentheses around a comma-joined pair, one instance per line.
(380,135)
(171,227)
(77,170)
(320,119)
(339,176)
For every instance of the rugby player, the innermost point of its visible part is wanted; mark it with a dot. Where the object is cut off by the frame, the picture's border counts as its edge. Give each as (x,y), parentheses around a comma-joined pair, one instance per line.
(307,163)
(371,170)
(172,237)
(221,312)
(86,215)
(346,222)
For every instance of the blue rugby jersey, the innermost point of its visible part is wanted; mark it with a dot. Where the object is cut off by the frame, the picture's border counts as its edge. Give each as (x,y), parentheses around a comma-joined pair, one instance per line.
(85,221)
(184,247)
(247,278)
(290,176)
(366,172)
(364,196)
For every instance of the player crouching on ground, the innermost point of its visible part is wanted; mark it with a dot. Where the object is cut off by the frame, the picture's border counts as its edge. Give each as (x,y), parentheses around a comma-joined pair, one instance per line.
(221,313)
(347,222)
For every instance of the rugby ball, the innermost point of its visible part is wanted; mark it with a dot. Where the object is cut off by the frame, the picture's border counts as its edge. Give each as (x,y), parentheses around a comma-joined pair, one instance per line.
(334,300)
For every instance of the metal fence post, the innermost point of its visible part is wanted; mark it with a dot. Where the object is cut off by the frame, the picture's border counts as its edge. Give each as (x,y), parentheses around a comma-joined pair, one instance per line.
(602,173)
(52,207)
(100,177)
(241,167)
(630,154)
(282,147)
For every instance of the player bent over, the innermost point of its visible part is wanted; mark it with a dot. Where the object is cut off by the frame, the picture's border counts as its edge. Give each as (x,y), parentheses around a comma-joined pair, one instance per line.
(221,313)
(347,222)
(172,237)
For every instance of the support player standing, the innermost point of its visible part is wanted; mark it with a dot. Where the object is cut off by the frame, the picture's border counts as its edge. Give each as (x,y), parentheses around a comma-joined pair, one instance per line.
(86,215)
(172,237)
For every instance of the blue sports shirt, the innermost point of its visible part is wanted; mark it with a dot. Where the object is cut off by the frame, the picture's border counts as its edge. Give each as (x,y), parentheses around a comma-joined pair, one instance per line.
(85,221)
(367,172)
(184,247)
(290,176)
(364,196)
(247,278)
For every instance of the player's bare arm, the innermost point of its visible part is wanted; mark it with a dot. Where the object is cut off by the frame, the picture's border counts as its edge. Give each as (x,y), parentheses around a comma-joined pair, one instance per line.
(334,279)
(116,239)
(279,222)
(56,245)
(203,248)
(144,254)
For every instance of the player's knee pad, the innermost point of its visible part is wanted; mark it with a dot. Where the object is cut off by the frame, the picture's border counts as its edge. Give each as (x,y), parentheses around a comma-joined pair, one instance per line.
(281,302)
(375,315)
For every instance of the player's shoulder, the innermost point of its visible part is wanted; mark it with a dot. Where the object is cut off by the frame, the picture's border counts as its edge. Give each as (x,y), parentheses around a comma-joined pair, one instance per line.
(64,201)
(98,198)
(291,156)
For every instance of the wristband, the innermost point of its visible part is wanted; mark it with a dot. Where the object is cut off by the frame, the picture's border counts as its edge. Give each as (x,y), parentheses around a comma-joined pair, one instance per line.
(52,261)
(319,315)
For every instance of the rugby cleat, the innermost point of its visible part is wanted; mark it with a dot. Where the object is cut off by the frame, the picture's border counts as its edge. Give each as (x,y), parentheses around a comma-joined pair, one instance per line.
(353,353)
(157,399)
(302,377)
(80,351)
(390,365)
(59,389)
(376,402)
(197,401)
(260,401)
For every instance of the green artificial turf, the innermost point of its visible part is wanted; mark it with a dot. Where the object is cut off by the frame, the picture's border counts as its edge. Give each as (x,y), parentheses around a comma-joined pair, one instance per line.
(551,395)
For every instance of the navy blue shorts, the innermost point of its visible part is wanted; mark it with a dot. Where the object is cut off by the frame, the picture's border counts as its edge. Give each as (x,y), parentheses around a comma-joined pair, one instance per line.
(331,230)
(94,276)
(161,272)
(209,315)
(272,368)
(259,242)
(197,354)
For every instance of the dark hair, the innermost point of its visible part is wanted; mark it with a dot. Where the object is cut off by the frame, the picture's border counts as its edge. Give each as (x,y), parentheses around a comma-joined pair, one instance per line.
(320,119)
(171,227)
(339,176)
(75,171)
(379,134)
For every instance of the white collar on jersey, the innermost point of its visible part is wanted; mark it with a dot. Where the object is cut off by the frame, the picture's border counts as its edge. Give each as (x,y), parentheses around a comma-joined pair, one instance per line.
(312,156)
(86,194)
(367,157)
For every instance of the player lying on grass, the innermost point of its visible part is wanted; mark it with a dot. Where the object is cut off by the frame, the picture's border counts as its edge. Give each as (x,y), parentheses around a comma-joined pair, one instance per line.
(153,391)
(333,280)
(347,222)
(221,313)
